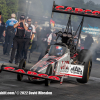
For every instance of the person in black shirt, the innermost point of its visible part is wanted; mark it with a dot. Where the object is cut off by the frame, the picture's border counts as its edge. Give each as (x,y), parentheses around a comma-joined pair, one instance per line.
(29,35)
(19,38)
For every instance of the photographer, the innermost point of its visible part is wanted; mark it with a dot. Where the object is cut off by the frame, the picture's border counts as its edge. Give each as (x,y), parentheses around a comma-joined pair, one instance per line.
(19,38)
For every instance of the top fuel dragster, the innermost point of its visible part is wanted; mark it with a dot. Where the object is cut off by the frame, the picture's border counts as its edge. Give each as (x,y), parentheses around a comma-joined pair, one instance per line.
(63,59)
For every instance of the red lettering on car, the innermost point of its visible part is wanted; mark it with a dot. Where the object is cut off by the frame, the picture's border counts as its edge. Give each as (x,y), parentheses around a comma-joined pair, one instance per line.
(54,77)
(67,62)
(20,70)
(9,68)
(59,8)
(78,10)
(68,9)
(31,73)
(88,11)
(63,64)
(96,12)
(42,75)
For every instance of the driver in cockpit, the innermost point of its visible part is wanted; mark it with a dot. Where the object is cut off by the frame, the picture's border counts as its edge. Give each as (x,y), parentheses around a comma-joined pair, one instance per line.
(66,38)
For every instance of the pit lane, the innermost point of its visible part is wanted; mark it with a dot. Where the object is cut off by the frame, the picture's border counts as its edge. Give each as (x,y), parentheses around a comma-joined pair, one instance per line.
(69,90)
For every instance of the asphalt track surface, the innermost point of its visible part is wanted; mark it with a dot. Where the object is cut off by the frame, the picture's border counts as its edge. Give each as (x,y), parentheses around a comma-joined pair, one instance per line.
(69,90)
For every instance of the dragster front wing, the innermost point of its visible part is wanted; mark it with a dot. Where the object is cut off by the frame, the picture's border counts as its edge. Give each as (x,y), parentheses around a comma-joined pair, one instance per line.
(28,73)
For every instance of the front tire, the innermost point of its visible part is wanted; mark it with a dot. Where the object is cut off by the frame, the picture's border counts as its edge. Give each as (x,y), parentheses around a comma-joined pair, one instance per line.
(48,72)
(22,65)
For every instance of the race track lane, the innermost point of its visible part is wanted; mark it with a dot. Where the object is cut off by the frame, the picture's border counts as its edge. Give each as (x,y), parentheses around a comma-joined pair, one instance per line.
(69,90)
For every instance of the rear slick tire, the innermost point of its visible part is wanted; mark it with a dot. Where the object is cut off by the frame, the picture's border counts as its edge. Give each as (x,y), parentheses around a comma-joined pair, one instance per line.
(87,67)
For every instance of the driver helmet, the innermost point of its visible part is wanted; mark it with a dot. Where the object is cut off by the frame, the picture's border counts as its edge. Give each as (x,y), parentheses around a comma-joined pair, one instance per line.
(59,50)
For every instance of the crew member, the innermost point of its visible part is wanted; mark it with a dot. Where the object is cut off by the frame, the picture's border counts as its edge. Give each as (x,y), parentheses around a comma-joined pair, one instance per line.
(9,34)
(28,36)
(18,40)
(52,38)
(34,43)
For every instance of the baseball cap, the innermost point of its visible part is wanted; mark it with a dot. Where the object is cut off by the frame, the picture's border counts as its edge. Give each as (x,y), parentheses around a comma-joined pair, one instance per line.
(22,17)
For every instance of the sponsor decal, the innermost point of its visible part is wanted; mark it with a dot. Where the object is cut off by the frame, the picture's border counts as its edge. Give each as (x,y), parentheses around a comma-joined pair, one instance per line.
(76,70)
(64,66)
(76,10)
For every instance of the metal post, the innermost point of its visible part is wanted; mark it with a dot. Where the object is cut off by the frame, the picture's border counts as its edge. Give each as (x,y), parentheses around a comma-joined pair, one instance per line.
(80,32)
(61,81)
(69,23)
(52,9)
(27,2)
(29,6)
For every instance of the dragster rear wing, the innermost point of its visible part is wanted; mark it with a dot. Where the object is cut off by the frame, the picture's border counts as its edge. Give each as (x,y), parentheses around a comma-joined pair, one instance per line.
(75,11)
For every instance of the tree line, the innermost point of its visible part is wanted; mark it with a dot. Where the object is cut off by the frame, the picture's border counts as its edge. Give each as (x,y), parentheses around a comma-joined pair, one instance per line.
(42,7)
(7,7)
